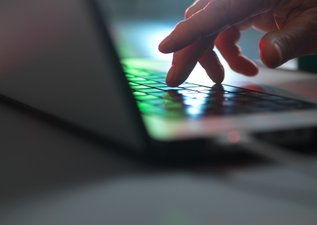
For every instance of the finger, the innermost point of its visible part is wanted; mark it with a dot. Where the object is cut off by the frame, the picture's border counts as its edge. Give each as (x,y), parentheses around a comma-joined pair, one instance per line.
(296,39)
(226,44)
(185,60)
(209,59)
(264,22)
(214,17)
(211,63)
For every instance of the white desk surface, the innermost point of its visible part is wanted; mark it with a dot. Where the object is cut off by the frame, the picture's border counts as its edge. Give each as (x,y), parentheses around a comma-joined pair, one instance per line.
(51,176)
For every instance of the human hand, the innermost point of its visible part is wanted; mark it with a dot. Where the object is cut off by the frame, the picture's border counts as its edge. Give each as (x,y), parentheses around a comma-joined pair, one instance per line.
(290,27)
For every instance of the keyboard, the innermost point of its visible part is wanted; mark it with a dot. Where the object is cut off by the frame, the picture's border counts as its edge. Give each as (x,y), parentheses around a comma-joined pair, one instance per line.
(154,97)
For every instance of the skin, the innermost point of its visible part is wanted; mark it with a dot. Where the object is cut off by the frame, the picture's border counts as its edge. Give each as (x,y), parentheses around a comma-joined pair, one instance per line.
(289,26)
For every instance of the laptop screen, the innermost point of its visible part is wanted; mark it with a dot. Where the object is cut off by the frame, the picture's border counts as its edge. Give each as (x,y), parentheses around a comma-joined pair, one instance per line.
(137,26)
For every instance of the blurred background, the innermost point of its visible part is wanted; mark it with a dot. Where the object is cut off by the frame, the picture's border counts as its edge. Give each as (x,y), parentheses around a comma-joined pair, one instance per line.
(138,26)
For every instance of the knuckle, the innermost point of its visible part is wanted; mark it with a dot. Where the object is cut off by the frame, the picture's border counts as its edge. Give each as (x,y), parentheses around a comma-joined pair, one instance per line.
(189,12)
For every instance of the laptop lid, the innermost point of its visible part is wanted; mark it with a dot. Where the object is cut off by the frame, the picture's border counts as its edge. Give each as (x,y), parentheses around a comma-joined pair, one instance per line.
(56,57)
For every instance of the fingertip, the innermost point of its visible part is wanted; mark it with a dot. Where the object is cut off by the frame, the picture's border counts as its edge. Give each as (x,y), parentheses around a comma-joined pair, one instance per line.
(217,75)
(171,43)
(171,80)
(164,45)
(218,79)
(251,72)
(180,37)
(249,68)
(213,67)
(243,65)
(270,52)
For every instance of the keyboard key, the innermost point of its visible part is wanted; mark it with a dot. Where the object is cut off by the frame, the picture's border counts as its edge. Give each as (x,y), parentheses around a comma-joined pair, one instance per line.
(195,101)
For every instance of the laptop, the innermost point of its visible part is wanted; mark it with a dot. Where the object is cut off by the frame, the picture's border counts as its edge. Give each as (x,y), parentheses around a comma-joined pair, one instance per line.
(61,59)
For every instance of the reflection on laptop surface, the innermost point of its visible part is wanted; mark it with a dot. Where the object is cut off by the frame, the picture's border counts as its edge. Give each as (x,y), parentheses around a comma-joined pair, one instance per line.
(197,101)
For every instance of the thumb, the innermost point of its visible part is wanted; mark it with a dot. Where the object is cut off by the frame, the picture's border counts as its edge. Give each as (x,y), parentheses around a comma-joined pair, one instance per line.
(294,40)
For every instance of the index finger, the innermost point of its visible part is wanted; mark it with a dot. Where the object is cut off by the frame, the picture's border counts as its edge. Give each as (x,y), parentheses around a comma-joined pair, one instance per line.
(217,15)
